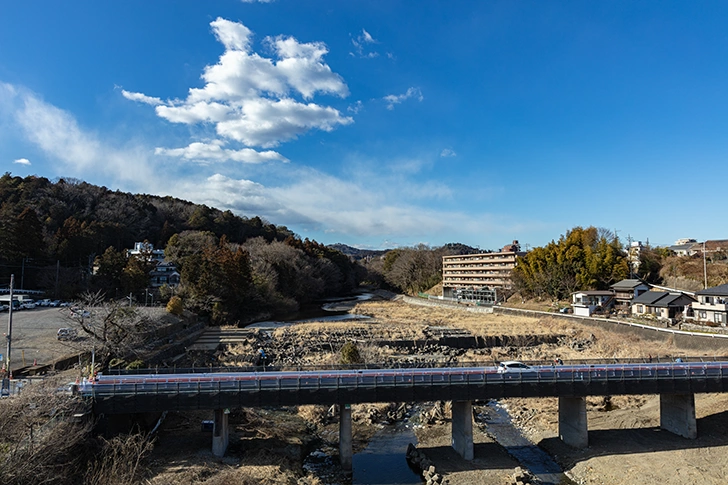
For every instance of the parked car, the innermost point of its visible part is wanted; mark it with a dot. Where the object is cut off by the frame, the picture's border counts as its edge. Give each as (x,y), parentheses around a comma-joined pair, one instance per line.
(514,366)
(55,303)
(44,302)
(66,334)
(28,306)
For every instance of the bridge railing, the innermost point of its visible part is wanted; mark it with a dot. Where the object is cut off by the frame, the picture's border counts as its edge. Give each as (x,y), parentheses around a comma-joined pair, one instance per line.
(201,384)
(405,365)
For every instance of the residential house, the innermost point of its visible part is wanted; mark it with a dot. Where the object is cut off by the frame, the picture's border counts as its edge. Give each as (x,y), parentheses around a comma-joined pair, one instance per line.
(586,303)
(165,273)
(683,247)
(626,290)
(146,250)
(712,305)
(663,305)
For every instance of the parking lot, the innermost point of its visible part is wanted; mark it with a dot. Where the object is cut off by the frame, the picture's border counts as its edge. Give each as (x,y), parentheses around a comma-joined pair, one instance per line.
(34,336)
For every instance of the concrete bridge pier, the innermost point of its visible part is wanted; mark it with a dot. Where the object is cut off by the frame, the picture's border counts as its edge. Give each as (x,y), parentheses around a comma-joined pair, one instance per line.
(346,451)
(221,433)
(677,414)
(462,428)
(573,427)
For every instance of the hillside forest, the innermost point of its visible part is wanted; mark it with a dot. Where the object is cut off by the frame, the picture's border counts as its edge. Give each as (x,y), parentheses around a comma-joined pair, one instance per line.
(68,238)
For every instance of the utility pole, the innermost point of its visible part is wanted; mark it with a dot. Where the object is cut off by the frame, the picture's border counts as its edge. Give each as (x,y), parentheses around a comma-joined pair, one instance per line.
(58,270)
(10,327)
(705,267)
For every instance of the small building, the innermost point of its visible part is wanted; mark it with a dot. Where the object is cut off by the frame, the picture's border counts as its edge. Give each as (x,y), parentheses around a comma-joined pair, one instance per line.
(683,247)
(663,305)
(627,290)
(146,250)
(586,303)
(712,305)
(165,273)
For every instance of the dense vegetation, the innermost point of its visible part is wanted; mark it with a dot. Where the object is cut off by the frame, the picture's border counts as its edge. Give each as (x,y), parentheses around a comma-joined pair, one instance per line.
(413,269)
(68,237)
(583,259)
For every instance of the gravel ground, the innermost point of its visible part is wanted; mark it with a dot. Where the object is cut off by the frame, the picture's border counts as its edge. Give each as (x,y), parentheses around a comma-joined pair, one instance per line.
(34,336)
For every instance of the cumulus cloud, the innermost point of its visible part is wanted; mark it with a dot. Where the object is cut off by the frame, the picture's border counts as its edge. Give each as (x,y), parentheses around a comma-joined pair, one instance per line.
(393,99)
(250,98)
(22,161)
(448,153)
(361,42)
(214,152)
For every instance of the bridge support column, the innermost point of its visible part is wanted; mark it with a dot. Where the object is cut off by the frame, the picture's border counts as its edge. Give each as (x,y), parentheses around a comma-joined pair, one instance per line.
(462,428)
(573,427)
(677,414)
(220,435)
(346,451)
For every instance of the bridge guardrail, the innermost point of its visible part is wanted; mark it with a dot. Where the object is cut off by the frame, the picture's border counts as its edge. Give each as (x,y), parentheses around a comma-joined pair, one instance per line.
(201,384)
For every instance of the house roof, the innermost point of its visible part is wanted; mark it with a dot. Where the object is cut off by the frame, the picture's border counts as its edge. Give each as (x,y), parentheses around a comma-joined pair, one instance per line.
(681,247)
(662,299)
(720,290)
(594,293)
(628,284)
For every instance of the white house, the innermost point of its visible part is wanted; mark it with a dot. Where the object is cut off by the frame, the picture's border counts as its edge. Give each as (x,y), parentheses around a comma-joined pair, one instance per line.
(585,303)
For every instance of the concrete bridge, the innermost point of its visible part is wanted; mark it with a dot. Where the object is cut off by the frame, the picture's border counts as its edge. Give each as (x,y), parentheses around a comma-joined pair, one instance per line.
(676,383)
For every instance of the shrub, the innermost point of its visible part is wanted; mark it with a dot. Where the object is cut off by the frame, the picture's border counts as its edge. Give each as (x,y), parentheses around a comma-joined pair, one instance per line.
(350,354)
(175,306)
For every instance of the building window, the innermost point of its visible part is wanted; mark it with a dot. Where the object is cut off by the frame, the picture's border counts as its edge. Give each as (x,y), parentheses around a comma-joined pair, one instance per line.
(703,315)
(640,309)
(718,317)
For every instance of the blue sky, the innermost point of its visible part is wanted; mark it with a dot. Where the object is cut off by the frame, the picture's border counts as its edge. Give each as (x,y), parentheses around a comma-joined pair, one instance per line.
(383,123)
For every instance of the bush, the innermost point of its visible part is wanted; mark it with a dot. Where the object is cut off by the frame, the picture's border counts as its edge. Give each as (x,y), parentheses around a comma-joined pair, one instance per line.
(175,306)
(350,354)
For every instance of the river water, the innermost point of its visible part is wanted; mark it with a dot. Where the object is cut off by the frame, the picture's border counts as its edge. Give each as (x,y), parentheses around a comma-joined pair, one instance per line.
(383,461)
(329,310)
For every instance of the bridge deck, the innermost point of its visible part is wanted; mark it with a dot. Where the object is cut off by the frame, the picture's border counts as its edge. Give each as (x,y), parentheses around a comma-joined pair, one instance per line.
(162,392)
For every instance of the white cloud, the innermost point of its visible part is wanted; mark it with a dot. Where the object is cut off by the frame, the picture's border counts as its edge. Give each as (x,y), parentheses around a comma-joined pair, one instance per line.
(318,201)
(250,98)
(448,153)
(57,133)
(253,125)
(22,161)
(214,152)
(361,42)
(393,99)
(355,108)
(142,98)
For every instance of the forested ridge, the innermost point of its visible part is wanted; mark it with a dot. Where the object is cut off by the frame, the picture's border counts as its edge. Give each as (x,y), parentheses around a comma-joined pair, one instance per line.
(68,237)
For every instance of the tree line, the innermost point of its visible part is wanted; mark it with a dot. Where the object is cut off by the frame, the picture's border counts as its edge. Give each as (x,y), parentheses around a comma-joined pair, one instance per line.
(68,237)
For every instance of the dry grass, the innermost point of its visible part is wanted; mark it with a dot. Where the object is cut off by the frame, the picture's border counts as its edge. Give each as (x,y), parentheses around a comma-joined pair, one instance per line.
(402,314)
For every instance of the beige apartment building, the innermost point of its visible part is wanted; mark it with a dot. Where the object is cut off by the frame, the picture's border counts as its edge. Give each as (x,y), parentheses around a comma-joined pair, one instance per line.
(474,272)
